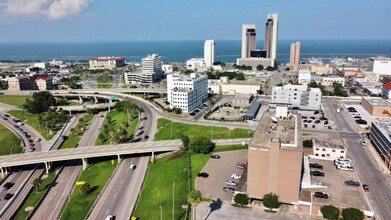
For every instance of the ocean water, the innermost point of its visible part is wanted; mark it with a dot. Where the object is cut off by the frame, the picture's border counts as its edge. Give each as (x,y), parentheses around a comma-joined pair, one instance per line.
(180,51)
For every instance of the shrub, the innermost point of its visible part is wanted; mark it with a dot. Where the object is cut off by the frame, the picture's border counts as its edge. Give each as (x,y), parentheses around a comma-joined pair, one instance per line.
(241,199)
(307,144)
(352,214)
(330,212)
(271,201)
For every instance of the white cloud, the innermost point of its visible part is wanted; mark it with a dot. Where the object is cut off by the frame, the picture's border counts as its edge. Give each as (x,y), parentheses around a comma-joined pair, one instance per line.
(53,9)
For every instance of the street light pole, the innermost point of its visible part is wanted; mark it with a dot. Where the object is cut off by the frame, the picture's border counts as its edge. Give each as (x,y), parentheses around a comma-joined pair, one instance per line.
(161,212)
(11,149)
(171,130)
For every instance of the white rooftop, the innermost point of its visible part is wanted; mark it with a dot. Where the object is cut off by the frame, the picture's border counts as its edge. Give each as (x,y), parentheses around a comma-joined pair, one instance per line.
(384,125)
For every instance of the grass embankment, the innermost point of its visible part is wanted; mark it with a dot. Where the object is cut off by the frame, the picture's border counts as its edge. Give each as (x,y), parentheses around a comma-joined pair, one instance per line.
(32,120)
(233,147)
(191,130)
(97,175)
(118,118)
(9,142)
(158,188)
(77,133)
(35,196)
(14,100)
(104,86)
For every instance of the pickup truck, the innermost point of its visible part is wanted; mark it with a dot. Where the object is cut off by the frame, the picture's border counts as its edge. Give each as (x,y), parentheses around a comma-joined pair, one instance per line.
(352,183)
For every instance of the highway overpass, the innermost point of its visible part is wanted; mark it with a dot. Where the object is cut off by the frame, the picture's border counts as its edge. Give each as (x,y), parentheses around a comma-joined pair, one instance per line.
(102,151)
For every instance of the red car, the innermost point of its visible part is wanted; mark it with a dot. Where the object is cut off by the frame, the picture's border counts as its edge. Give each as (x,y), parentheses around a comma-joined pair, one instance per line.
(241,164)
(321,195)
(32,145)
(365,187)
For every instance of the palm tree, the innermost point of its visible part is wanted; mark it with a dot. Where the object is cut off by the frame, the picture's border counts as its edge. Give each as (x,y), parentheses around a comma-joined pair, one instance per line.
(85,188)
(194,198)
(36,183)
(115,137)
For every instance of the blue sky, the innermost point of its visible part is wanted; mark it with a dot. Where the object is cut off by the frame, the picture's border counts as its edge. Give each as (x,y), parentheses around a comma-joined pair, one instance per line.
(121,20)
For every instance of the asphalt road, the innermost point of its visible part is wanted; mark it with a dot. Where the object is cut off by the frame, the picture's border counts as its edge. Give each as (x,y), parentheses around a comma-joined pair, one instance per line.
(366,167)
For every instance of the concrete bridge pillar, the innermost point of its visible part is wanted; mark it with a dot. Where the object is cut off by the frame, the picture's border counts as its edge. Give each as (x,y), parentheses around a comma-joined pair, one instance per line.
(119,158)
(96,99)
(153,154)
(85,163)
(47,167)
(2,172)
(80,100)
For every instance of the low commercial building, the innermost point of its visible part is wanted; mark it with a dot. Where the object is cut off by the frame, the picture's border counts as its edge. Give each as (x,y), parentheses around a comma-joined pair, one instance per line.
(329,149)
(107,62)
(43,83)
(232,87)
(41,65)
(296,96)
(242,100)
(19,83)
(187,93)
(367,77)
(253,110)
(386,90)
(321,69)
(381,139)
(255,61)
(196,64)
(380,65)
(275,157)
(330,80)
(376,106)
(304,77)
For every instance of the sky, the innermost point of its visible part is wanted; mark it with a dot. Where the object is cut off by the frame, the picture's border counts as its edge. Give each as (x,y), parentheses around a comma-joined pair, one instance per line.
(124,20)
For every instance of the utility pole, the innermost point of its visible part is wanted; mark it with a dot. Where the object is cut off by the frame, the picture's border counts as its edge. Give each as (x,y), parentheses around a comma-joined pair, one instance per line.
(173,205)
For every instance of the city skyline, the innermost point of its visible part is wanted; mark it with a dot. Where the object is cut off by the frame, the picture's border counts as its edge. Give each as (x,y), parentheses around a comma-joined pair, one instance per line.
(56,21)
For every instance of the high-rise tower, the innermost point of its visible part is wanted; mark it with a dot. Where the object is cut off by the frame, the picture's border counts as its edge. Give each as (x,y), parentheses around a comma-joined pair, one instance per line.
(295,54)
(209,53)
(249,40)
(271,36)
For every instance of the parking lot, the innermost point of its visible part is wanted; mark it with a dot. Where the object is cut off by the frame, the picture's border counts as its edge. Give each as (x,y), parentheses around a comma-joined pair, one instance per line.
(339,194)
(228,112)
(220,170)
(360,114)
(311,120)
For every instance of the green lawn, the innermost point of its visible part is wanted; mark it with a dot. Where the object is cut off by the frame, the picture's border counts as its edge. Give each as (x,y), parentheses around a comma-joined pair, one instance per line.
(32,120)
(9,141)
(222,148)
(97,175)
(158,188)
(74,138)
(104,86)
(14,100)
(35,196)
(164,131)
(117,119)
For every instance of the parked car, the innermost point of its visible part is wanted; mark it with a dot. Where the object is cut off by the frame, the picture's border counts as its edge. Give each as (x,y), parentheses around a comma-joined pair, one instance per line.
(132,167)
(352,183)
(8,196)
(321,195)
(236,176)
(347,168)
(7,185)
(32,149)
(316,165)
(365,187)
(231,183)
(202,174)
(146,136)
(215,156)
(228,189)
(317,173)
(316,112)
(37,139)
(313,118)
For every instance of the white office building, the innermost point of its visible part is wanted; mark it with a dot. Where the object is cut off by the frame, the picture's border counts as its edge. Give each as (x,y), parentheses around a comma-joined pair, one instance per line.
(41,65)
(209,53)
(187,92)
(106,62)
(296,96)
(195,64)
(151,71)
(380,65)
(304,77)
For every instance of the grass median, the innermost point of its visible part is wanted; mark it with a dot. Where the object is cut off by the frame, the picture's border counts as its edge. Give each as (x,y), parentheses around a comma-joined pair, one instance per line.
(14,99)
(77,132)
(168,130)
(32,120)
(97,174)
(159,191)
(9,142)
(35,196)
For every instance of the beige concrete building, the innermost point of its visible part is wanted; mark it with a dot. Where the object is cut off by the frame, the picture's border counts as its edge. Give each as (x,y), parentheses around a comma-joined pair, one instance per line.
(226,86)
(255,61)
(329,80)
(333,149)
(106,62)
(295,55)
(19,83)
(249,39)
(43,83)
(275,157)
(376,106)
(325,69)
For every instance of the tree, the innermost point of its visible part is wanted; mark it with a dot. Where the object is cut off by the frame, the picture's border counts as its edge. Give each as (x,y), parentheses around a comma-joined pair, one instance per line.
(270,68)
(185,141)
(271,201)
(330,212)
(241,199)
(85,189)
(41,102)
(307,144)
(280,84)
(194,197)
(201,145)
(352,214)
(115,137)
(36,182)
(260,67)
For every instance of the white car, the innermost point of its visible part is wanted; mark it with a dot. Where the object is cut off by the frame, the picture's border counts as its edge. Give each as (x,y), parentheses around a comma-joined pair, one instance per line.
(364,143)
(231,183)
(236,176)
(37,139)
(347,168)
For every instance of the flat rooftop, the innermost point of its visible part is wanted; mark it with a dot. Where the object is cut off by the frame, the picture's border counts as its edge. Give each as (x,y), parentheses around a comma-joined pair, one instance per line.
(384,125)
(287,130)
(329,143)
(377,101)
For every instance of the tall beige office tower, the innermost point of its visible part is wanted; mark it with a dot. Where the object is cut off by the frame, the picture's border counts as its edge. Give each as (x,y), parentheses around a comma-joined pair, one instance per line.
(249,40)
(271,36)
(295,54)
(209,53)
